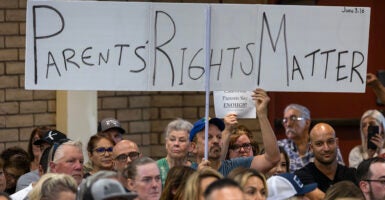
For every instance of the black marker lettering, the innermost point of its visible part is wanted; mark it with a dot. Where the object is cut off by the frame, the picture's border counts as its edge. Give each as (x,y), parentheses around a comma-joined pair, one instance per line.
(251,59)
(35,38)
(49,64)
(295,62)
(121,51)
(141,58)
(84,56)
(313,62)
(191,67)
(101,57)
(158,48)
(339,66)
(232,60)
(327,60)
(67,59)
(181,71)
(355,66)
(219,64)
(273,44)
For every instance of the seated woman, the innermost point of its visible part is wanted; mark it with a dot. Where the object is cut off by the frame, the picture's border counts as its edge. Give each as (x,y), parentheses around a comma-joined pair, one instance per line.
(242,143)
(282,166)
(362,152)
(253,182)
(100,153)
(54,187)
(175,182)
(198,181)
(35,151)
(16,163)
(177,146)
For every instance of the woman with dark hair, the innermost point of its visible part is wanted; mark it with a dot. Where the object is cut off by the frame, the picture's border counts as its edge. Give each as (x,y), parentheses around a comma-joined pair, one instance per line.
(100,153)
(34,151)
(282,166)
(16,163)
(175,183)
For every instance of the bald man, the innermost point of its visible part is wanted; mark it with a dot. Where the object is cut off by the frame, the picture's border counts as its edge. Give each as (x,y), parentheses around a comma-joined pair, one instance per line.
(325,170)
(124,152)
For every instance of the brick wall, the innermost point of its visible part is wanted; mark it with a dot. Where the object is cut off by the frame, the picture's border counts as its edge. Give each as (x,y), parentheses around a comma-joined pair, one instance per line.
(143,114)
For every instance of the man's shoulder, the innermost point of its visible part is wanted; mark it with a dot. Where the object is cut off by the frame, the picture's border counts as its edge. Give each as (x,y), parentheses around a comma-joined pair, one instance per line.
(309,167)
(346,169)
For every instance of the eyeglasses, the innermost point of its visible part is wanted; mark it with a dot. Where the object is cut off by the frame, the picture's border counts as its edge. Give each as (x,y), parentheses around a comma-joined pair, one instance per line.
(292,118)
(102,150)
(245,146)
(123,157)
(382,182)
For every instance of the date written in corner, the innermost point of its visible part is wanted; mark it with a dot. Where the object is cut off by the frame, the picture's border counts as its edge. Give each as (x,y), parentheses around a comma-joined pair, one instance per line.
(353,10)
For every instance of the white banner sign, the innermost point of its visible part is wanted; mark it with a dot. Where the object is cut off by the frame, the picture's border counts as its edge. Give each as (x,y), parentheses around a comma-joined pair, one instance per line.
(132,46)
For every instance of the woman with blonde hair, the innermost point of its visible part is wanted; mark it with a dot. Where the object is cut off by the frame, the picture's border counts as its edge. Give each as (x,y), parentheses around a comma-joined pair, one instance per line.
(362,152)
(253,182)
(53,186)
(198,182)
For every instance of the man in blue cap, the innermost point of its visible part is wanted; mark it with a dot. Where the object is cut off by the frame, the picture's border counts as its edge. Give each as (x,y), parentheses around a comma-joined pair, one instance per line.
(262,163)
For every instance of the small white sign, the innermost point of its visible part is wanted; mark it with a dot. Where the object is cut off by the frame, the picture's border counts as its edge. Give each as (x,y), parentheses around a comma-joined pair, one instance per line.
(238,102)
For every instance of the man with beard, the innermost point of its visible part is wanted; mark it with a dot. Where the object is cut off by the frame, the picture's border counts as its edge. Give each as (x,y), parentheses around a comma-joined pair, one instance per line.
(371,176)
(296,121)
(262,163)
(325,170)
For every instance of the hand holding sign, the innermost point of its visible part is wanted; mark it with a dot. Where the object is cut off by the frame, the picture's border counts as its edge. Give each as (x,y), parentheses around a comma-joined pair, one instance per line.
(230,121)
(261,101)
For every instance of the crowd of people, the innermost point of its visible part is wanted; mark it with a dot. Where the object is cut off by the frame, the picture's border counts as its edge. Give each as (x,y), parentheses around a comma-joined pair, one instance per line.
(307,164)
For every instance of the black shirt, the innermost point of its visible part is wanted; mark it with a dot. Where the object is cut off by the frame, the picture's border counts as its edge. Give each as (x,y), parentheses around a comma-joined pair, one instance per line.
(310,174)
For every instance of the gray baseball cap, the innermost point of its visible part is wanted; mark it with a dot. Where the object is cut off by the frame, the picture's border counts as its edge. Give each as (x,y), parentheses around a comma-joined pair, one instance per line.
(106,188)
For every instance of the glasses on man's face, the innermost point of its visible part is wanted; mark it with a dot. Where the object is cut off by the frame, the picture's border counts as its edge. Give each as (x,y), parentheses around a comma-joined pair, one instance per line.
(123,157)
(292,118)
(382,182)
(245,146)
(102,150)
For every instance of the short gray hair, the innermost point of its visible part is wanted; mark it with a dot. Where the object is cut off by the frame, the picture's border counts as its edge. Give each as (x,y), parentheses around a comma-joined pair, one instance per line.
(305,112)
(178,125)
(59,151)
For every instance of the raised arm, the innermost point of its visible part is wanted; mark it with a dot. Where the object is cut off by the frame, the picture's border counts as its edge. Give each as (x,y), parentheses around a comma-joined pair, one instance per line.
(271,157)
(376,85)
(231,122)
